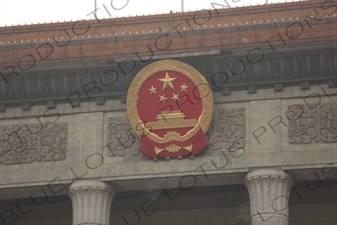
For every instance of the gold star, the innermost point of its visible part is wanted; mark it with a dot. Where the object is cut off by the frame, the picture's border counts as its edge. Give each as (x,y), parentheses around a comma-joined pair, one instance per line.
(162,98)
(175,97)
(167,81)
(183,88)
(153,90)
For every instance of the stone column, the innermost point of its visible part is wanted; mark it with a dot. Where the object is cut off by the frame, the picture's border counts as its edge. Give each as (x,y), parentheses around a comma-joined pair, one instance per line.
(91,200)
(269,191)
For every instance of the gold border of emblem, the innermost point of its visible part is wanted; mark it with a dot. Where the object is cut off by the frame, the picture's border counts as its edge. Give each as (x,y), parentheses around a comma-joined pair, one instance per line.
(204,88)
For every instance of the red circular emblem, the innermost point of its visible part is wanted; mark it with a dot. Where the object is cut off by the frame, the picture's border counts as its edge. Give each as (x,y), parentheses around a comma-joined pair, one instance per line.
(170,106)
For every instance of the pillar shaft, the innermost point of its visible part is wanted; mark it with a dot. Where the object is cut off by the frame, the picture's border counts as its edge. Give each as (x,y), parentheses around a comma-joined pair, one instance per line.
(269,191)
(91,201)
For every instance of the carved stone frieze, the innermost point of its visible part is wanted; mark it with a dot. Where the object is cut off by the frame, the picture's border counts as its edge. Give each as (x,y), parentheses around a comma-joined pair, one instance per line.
(122,140)
(312,123)
(33,142)
(227,130)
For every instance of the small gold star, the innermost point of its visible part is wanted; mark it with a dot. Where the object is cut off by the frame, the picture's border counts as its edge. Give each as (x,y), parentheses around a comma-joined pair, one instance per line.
(153,90)
(167,81)
(175,97)
(162,98)
(184,88)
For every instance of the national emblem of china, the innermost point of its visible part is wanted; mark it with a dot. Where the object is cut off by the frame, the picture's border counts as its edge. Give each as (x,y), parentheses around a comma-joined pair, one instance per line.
(170,107)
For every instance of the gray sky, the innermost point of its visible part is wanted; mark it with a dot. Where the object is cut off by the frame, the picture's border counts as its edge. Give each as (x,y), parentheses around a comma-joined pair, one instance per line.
(33,11)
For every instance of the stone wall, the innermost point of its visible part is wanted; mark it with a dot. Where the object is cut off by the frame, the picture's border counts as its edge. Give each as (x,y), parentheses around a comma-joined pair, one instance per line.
(269,131)
(221,207)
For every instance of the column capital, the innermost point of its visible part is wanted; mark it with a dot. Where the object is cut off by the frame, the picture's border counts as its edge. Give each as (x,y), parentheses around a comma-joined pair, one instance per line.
(91,200)
(269,191)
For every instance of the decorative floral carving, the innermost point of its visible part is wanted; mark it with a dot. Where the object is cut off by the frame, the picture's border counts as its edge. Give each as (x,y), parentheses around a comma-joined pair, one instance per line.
(312,123)
(30,143)
(227,130)
(121,138)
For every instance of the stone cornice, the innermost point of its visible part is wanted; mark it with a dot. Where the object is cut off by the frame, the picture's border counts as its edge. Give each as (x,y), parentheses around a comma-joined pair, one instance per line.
(289,69)
(140,19)
(204,30)
(233,28)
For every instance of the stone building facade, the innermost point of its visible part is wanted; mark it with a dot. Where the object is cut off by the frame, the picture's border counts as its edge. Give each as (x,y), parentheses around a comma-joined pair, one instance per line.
(68,154)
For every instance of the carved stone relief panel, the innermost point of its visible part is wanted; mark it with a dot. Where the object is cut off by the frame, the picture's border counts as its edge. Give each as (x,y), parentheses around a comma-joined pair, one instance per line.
(122,140)
(227,131)
(33,142)
(312,123)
